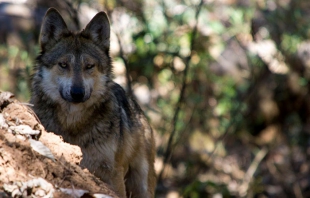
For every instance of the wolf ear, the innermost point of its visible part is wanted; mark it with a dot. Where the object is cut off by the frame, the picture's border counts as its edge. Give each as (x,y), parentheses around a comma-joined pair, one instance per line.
(52,29)
(98,30)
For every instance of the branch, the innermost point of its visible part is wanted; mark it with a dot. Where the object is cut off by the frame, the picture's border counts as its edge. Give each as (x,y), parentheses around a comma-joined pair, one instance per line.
(243,188)
(122,56)
(175,119)
(74,14)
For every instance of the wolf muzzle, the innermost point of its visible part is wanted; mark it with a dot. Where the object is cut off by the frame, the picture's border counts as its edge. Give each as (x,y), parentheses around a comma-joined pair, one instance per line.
(76,94)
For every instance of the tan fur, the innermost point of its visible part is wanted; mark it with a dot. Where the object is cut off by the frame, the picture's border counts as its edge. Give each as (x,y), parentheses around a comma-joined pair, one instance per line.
(74,96)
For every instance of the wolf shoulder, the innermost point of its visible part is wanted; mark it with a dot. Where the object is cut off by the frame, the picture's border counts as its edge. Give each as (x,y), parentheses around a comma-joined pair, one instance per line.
(130,111)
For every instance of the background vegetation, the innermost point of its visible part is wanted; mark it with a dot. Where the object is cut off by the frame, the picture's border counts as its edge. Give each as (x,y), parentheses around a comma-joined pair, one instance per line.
(225,83)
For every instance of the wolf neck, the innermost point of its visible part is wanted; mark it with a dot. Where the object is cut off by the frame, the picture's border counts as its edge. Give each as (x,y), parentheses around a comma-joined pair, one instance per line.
(77,116)
(71,115)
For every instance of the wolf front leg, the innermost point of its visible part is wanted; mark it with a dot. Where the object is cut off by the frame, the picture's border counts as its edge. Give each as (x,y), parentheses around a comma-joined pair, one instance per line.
(99,159)
(112,175)
(117,181)
(137,184)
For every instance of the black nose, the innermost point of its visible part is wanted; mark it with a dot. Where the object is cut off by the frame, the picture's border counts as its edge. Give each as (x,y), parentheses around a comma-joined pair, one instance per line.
(77,94)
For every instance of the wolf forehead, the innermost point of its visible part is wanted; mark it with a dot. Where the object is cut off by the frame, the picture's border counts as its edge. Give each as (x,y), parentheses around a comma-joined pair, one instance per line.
(75,48)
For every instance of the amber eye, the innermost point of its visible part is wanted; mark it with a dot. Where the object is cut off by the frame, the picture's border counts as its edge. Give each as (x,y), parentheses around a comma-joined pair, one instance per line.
(90,66)
(63,65)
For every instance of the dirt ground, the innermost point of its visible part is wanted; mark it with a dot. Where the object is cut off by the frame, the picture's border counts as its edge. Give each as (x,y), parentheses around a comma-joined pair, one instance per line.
(36,163)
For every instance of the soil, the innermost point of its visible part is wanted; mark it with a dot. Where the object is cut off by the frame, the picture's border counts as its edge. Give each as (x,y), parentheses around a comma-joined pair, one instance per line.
(37,163)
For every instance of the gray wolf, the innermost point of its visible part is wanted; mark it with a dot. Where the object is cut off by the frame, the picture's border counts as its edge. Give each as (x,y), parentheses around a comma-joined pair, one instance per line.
(74,96)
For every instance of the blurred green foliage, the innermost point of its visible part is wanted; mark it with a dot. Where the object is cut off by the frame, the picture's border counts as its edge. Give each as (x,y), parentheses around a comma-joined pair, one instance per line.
(16,66)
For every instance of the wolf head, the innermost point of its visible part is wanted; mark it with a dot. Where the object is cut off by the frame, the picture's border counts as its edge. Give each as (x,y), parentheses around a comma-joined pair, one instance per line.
(73,67)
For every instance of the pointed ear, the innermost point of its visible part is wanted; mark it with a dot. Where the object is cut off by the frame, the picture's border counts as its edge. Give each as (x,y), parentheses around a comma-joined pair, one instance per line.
(98,30)
(52,29)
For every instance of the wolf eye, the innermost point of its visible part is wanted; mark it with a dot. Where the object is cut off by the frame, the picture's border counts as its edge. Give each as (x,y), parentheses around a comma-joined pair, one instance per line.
(89,66)
(63,65)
